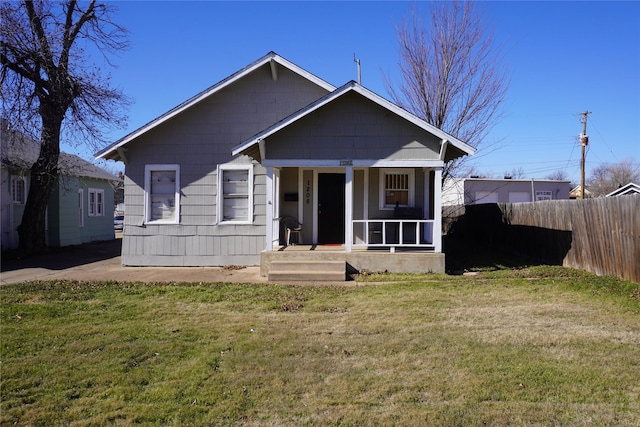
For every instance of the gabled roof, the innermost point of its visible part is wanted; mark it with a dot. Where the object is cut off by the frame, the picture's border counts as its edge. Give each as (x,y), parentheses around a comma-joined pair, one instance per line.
(22,152)
(460,147)
(630,188)
(577,190)
(110,152)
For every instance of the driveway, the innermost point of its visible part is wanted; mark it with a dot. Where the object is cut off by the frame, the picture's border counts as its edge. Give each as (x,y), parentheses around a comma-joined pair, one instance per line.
(101,261)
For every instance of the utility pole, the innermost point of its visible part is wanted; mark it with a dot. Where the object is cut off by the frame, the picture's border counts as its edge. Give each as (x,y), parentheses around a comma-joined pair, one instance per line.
(584,141)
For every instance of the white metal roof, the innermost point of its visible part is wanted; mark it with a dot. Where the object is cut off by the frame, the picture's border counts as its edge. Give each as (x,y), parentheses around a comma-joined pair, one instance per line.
(630,188)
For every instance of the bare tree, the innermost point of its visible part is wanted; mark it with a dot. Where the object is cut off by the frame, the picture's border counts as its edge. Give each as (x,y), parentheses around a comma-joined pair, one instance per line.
(450,73)
(609,177)
(558,175)
(516,173)
(50,90)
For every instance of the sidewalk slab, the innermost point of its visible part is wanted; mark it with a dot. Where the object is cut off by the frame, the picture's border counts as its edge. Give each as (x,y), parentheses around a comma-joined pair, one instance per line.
(101,261)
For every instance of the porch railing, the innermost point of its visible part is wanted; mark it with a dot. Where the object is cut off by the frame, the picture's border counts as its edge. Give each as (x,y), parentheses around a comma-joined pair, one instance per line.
(393,233)
(275,231)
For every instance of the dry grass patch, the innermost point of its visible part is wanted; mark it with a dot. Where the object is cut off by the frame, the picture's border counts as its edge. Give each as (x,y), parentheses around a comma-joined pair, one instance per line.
(541,324)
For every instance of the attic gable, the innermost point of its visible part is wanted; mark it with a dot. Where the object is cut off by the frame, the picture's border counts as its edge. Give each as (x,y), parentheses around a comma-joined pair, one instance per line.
(449,147)
(117,150)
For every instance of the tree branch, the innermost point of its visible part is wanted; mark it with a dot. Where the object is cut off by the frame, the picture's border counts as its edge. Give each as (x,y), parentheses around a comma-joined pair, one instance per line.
(449,72)
(71,31)
(36,24)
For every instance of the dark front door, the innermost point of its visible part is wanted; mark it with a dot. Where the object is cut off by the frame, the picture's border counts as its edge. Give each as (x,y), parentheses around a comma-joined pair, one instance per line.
(331,208)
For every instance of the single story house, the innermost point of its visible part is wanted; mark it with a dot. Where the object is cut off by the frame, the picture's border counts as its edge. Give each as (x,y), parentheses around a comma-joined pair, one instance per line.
(576,192)
(475,191)
(626,190)
(212,181)
(80,208)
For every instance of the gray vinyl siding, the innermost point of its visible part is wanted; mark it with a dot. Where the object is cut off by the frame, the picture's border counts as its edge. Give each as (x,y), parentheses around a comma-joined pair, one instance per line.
(199,139)
(352,127)
(197,240)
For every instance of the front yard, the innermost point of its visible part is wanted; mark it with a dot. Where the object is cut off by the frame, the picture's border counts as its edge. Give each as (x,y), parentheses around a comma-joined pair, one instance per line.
(528,346)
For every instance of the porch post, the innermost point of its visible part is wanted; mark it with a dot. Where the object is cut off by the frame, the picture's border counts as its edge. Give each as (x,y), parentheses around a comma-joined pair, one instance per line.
(269,210)
(426,205)
(437,210)
(348,209)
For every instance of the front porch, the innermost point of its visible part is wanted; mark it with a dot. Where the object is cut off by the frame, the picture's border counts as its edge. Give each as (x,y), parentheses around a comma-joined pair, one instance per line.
(368,219)
(402,260)
(357,207)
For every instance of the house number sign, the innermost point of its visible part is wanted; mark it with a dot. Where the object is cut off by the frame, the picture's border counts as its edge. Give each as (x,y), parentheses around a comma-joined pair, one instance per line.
(307,193)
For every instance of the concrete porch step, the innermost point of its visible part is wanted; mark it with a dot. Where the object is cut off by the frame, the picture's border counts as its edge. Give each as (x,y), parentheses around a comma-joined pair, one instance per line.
(307,270)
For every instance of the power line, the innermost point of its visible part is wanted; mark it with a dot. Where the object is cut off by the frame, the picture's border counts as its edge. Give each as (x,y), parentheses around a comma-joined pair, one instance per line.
(604,140)
(573,147)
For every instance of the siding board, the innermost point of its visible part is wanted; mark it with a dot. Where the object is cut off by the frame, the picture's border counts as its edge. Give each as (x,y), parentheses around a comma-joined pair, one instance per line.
(351,128)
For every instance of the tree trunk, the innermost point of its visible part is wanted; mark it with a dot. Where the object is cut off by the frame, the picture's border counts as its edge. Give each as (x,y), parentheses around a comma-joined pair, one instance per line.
(44,175)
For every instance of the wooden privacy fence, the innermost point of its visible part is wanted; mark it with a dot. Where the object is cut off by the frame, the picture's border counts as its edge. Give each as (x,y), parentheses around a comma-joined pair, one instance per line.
(598,235)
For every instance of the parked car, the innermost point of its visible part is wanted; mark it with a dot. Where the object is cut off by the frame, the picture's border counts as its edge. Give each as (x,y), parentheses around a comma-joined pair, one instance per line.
(118,222)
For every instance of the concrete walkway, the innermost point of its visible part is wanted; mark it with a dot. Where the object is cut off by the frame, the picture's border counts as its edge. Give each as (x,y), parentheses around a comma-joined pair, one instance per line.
(101,261)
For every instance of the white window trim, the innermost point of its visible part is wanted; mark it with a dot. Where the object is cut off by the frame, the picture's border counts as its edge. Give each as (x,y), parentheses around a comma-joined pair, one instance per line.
(220,195)
(80,207)
(95,208)
(18,180)
(381,187)
(147,193)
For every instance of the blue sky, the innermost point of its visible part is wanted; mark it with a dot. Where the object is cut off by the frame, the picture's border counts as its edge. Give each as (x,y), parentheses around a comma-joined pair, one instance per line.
(563,58)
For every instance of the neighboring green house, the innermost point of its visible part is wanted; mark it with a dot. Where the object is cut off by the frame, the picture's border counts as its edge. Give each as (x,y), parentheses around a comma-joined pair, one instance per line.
(80,208)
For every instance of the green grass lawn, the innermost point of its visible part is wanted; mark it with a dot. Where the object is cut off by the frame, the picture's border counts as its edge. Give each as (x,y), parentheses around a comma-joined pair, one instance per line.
(532,346)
